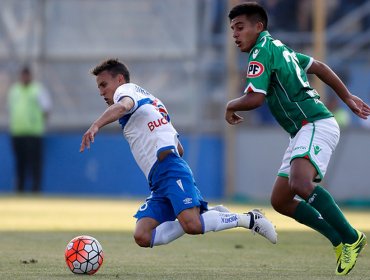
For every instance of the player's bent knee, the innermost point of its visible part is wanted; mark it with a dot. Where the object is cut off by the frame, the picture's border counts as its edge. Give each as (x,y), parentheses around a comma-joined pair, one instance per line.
(143,240)
(190,221)
(275,205)
(283,206)
(303,188)
(192,227)
(278,206)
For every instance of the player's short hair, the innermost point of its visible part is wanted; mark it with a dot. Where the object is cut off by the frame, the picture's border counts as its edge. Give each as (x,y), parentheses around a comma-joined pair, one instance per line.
(252,10)
(114,67)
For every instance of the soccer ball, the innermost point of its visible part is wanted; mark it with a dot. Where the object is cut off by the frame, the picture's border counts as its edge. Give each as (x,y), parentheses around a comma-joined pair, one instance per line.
(84,255)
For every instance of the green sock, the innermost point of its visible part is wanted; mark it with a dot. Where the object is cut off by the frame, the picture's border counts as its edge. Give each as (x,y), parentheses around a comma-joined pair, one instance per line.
(307,215)
(323,202)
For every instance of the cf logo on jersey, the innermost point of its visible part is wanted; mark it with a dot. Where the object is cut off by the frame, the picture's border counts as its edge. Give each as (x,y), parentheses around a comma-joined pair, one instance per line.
(255,69)
(152,125)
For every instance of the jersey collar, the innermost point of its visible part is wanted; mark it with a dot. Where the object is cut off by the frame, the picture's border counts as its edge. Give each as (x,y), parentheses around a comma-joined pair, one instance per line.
(262,35)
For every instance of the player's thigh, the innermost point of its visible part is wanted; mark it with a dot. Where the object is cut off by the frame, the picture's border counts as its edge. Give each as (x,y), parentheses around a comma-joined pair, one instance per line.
(187,202)
(302,175)
(158,207)
(182,192)
(174,180)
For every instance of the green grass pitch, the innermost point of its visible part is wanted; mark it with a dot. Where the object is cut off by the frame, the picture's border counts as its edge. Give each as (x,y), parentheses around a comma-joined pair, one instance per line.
(34,232)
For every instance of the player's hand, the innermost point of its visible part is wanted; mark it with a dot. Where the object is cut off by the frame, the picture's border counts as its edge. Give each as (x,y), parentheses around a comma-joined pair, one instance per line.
(88,137)
(233,118)
(359,107)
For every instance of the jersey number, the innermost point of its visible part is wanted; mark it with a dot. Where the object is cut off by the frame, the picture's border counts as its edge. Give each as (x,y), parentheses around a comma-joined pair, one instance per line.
(290,57)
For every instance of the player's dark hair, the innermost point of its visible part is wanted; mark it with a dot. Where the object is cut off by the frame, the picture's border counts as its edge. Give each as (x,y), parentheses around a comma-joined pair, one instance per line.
(114,67)
(252,10)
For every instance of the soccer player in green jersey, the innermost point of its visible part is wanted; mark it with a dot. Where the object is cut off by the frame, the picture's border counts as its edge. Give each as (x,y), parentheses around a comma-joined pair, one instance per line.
(278,75)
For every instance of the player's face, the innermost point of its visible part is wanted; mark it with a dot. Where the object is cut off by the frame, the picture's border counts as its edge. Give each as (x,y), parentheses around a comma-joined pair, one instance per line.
(107,85)
(245,32)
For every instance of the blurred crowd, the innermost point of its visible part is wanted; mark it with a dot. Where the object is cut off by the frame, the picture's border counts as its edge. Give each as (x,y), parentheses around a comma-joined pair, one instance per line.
(199,51)
(298,18)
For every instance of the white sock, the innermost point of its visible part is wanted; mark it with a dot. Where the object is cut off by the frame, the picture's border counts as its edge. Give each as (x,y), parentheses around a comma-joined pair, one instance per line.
(216,221)
(166,232)
(219,208)
(211,221)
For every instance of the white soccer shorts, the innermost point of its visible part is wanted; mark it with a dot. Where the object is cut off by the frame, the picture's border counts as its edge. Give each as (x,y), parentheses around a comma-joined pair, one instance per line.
(315,141)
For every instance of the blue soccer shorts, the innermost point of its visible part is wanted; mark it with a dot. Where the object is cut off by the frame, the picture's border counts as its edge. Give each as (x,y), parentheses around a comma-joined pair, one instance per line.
(173,190)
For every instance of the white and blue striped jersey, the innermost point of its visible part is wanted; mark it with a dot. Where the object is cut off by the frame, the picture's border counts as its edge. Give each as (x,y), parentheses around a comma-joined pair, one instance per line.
(146,127)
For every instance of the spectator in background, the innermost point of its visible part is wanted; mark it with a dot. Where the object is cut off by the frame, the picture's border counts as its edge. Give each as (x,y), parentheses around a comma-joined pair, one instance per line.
(281,14)
(347,7)
(29,106)
(305,13)
(341,114)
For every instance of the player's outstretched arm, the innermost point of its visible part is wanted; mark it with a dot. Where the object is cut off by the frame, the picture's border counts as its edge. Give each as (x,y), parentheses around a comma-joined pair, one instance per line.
(247,102)
(111,114)
(328,76)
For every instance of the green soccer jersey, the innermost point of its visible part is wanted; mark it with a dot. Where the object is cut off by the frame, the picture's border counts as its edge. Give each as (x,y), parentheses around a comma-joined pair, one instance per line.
(280,74)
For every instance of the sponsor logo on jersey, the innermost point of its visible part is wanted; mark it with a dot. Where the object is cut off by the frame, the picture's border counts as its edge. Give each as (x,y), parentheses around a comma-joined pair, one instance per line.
(299,148)
(157,123)
(255,53)
(255,69)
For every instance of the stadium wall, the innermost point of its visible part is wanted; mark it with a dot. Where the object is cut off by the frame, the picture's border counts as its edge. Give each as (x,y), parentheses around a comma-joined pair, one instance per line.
(108,169)
(259,154)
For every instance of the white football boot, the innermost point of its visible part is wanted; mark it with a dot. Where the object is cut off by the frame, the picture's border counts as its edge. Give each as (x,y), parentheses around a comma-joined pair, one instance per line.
(262,226)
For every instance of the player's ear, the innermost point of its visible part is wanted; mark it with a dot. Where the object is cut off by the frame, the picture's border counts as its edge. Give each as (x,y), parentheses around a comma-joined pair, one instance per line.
(121,79)
(260,26)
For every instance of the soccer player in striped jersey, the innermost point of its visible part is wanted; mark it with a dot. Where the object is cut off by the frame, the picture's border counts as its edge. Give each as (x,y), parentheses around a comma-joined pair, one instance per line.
(278,75)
